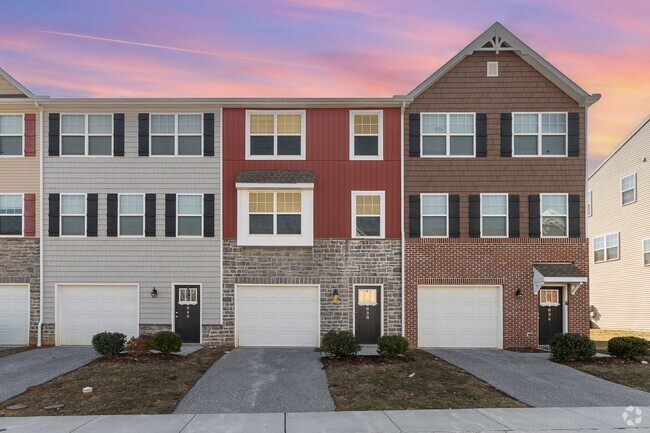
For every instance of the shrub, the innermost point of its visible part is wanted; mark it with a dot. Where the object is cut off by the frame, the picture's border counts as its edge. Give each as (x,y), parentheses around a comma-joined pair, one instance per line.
(340,343)
(392,345)
(109,343)
(628,347)
(166,342)
(572,347)
(139,345)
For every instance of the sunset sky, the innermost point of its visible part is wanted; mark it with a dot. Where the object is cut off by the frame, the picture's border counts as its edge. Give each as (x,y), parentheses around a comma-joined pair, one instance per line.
(329,48)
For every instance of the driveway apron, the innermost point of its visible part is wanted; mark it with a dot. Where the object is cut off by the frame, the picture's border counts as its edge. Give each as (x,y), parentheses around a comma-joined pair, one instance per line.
(261,380)
(536,381)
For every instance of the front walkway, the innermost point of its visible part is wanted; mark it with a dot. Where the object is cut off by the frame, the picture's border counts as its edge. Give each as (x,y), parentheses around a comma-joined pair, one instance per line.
(535,380)
(423,421)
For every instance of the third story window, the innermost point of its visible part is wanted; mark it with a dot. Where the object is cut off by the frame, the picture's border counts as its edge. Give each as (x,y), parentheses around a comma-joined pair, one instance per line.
(177,134)
(276,135)
(554,215)
(190,215)
(368,212)
(606,248)
(73,215)
(448,134)
(87,134)
(628,189)
(11,214)
(131,214)
(11,134)
(275,213)
(494,215)
(366,135)
(539,134)
(434,215)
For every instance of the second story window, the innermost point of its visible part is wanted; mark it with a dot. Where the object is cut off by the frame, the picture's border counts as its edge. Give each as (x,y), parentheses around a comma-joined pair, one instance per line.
(590,209)
(275,213)
(11,214)
(494,215)
(368,211)
(275,135)
(646,252)
(606,248)
(86,134)
(366,135)
(628,189)
(11,134)
(73,215)
(451,134)
(190,215)
(435,216)
(131,215)
(176,135)
(554,215)
(539,134)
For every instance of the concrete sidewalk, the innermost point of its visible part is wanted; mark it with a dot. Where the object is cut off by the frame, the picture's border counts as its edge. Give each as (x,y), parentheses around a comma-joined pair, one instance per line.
(611,419)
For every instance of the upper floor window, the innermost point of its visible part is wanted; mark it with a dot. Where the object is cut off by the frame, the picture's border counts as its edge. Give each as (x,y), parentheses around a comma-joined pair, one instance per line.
(366,135)
(555,215)
(628,189)
(368,214)
(189,215)
(11,214)
(73,214)
(275,135)
(87,134)
(435,215)
(589,203)
(451,134)
(494,215)
(176,134)
(131,215)
(606,248)
(11,134)
(540,134)
(646,252)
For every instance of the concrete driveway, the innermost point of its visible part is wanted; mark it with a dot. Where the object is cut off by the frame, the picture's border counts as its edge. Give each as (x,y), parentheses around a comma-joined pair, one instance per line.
(259,380)
(535,380)
(33,367)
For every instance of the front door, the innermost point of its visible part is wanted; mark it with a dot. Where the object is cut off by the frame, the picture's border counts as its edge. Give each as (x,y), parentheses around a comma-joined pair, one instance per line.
(188,312)
(550,313)
(367,312)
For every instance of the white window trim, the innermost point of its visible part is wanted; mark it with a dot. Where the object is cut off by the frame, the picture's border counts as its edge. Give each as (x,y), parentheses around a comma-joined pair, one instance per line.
(175,134)
(87,135)
(303,135)
(306,238)
(382,214)
(496,71)
(22,155)
(179,215)
(590,209)
(119,215)
(191,289)
(605,246)
(380,136)
(85,215)
(507,216)
(630,189)
(541,217)
(422,215)
(447,136)
(644,252)
(22,198)
(550,304)
(540,134)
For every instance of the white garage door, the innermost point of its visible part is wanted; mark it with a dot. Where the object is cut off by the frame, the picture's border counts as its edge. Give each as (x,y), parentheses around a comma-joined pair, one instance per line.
(86,310)
(459,316)
(277,316)
(14,315)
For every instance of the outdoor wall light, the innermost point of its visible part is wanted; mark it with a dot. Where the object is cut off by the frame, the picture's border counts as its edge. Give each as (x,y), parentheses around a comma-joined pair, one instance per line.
(154,293)
(519,293)
(335,296)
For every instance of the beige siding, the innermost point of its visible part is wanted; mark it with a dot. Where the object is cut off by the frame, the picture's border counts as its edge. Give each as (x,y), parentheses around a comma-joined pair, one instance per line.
(6,88)
(620,290)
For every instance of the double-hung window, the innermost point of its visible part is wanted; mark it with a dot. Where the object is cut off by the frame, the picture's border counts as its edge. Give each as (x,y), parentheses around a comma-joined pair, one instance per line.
(646,252)
(435,215)
(606,248)
(366,135)
(539,134)
(554,218)
(189,215)
(11,134)
(176,134)
(73,214)
(494,215)
(448,134)
(275,213)
(590,209)
(628,189)
(131,215)
(368,210)
(11,214)
(275,135)
(87,134)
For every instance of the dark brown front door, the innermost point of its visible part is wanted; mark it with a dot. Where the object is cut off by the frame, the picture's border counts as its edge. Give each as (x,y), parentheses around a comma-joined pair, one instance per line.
(188,312)
(367,310)
(550,313)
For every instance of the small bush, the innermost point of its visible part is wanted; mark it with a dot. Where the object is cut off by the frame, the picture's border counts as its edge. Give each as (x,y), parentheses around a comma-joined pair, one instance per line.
(340,343)
(109,343)
(166,342)
(139,345)
(392,345)
(572,347)
(628,347)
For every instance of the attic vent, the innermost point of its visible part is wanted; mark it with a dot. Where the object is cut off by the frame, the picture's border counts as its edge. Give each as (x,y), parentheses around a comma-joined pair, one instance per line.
(492,69)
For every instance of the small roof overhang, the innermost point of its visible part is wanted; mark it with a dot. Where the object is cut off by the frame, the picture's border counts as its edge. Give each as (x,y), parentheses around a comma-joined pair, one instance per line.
(557,273)
(275,179)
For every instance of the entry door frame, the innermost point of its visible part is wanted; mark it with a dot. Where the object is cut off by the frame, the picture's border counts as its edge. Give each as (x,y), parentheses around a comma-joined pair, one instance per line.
(564,304)
(28,286)
(381,306)
(173,312)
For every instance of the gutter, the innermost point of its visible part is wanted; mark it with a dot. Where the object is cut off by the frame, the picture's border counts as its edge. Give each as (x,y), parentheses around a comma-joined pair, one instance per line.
(40,239)
(402,150)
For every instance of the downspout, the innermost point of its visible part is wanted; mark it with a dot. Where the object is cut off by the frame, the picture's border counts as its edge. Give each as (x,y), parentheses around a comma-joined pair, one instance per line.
(40,222)
(402,150)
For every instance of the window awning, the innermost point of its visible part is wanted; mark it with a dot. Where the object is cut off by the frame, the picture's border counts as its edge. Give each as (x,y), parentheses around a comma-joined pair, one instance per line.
(557,273)
(275,179)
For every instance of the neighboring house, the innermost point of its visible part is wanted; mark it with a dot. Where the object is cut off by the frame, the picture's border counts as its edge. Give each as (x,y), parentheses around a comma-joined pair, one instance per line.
(619,228)
(19,213)
(496,253)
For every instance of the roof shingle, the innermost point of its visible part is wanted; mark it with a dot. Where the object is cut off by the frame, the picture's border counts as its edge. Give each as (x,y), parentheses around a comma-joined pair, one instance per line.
(275,176)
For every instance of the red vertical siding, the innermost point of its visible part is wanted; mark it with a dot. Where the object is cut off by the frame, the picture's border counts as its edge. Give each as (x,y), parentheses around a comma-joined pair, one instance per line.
(30,134)
(29,218)
(327,144)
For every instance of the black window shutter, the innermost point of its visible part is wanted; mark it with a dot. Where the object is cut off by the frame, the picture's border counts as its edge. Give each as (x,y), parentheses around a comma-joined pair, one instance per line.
(414,216)
(150,215)
(481,134)
(143,134)
(533,216)
(474,216)
(170,215)
(208,134)
(91,217)
(506,134)
(414,135)
(118,134)
(513,215)
(574,216)
(54,213)
(208,215)
(573,130)
(55,130)
(454,216)
(111,215)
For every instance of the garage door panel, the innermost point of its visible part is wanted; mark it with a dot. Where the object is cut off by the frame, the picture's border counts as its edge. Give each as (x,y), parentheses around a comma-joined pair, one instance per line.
(14,313)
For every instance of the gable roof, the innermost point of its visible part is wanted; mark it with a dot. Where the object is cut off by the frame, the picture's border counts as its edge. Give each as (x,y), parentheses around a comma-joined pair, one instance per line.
(497,38)
(19,87)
